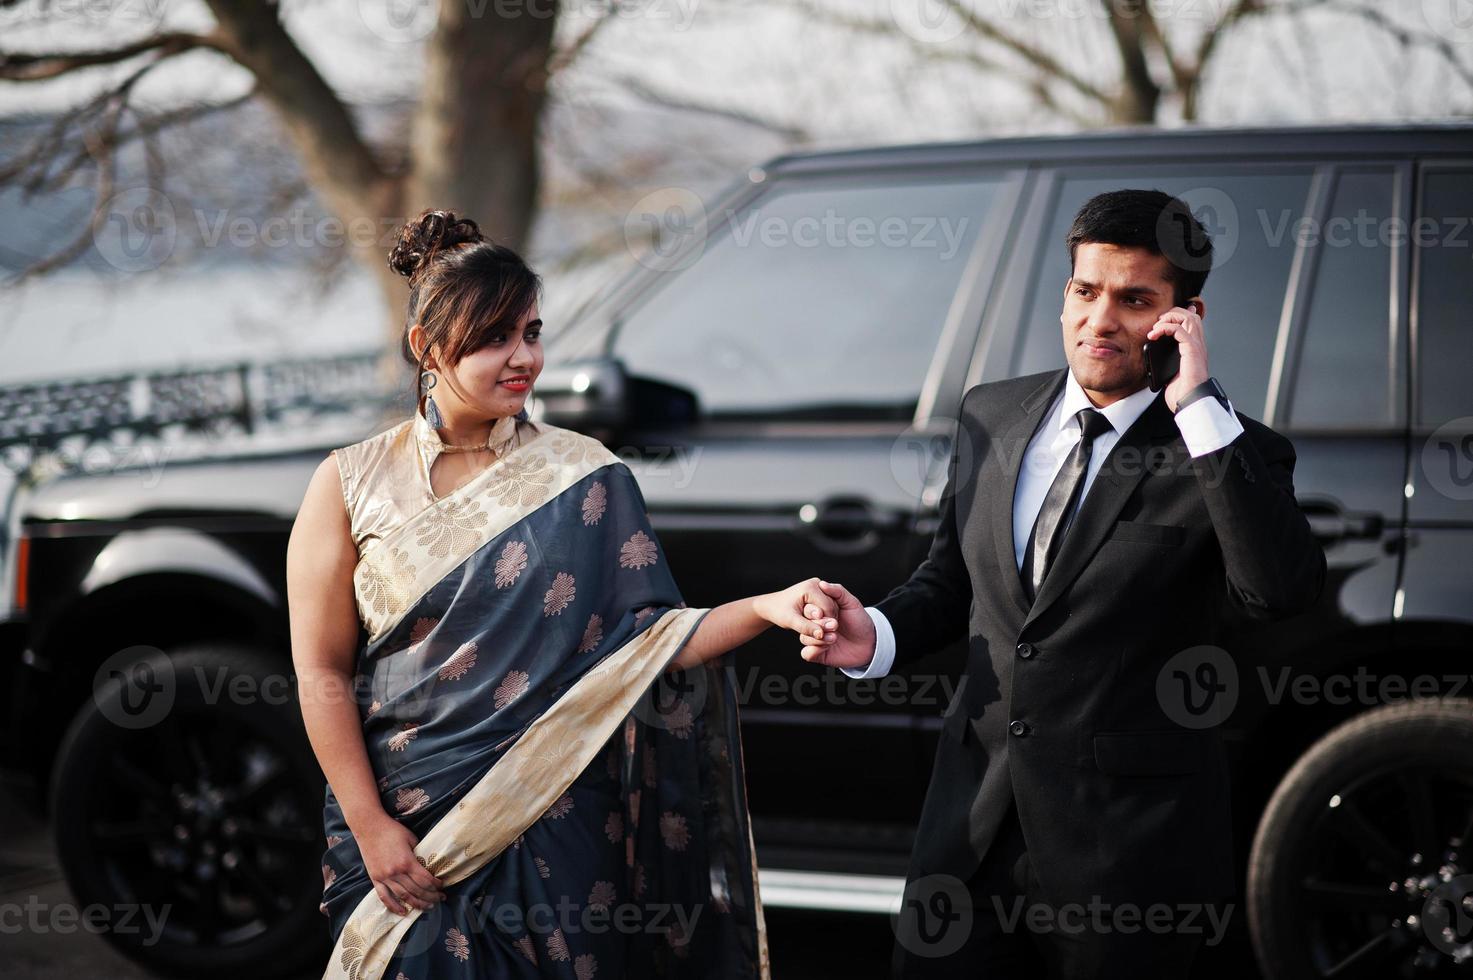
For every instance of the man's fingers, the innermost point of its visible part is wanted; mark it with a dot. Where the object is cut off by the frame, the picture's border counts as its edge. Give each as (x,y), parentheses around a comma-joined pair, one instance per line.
(815,654)
(839,594)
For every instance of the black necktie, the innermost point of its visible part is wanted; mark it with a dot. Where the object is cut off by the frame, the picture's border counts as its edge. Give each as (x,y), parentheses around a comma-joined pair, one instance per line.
(1057,512)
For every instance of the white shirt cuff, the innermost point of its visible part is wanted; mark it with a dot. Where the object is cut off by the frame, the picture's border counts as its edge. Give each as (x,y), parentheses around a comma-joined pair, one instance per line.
(1206,426)
(884,657)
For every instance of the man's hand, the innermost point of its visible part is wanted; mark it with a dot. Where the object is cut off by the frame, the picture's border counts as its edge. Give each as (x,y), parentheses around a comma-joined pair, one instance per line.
(1186,326)
(789,607)
(851,642)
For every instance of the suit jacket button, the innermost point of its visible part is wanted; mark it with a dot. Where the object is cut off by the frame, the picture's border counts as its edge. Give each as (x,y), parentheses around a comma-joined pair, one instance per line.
(1025,650)
(1018,728)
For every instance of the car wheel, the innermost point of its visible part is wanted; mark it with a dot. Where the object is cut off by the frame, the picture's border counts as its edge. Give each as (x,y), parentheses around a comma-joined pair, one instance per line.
(185,790)
(1363,863)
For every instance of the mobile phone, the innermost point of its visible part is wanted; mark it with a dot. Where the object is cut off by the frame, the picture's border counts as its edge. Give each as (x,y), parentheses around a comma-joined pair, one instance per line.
(1163,360)
(1163,357)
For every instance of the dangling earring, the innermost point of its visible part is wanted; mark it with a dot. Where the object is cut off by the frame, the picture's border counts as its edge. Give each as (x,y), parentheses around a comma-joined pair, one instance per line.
(432,411)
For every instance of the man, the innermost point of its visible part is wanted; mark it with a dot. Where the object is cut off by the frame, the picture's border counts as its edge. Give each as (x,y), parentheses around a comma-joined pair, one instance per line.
(1077,822)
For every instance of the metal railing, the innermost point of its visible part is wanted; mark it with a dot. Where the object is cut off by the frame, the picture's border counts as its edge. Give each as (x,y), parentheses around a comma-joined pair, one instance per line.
(68,418)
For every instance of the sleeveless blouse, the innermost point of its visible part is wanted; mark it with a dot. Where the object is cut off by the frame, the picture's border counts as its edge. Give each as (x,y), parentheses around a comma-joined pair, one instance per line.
(386,478)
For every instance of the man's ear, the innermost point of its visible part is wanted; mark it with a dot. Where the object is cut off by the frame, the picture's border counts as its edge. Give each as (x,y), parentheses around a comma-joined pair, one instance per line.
(1196,305)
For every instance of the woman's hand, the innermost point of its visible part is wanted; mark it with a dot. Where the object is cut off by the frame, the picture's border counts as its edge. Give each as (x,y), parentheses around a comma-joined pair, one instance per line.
(853,643)
(804,608)
(387,847)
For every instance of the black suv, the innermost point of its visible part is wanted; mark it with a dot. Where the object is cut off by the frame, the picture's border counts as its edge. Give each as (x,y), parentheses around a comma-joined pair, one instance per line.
(782,371)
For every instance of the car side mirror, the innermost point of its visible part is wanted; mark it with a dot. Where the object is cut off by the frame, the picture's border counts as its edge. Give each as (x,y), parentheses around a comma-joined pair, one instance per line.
(598,394)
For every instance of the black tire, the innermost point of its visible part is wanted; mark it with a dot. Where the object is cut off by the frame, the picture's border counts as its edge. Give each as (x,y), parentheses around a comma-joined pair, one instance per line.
(1363,860)
(210,808)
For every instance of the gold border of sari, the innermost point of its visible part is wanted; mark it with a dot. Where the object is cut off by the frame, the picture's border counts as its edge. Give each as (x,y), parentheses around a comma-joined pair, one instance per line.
(408,561)
(518,790)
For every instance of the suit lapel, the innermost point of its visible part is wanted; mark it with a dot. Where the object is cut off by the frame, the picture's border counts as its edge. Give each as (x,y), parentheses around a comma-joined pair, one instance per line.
(1119,474)
(1014,446)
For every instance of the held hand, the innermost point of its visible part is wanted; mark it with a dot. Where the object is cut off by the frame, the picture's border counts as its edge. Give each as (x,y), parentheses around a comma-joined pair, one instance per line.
(387,847)
(786,608)
(852,644)
(1186,326)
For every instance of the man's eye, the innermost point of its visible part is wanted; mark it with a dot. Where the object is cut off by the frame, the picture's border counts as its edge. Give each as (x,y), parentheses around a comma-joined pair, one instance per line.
(534,336)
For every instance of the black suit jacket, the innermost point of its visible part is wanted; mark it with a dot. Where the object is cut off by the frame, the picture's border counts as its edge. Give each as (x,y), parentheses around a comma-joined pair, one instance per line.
(1116,799)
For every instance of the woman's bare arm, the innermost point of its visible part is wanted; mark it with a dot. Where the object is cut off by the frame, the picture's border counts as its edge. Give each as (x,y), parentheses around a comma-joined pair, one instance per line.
(320,557)
(731,624)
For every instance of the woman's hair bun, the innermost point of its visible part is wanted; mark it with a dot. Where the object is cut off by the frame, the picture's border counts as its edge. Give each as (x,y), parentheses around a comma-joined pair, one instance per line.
(431,232)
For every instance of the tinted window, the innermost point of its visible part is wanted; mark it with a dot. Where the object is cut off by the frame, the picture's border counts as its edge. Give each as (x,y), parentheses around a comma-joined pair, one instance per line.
(1444,244)
(820,300)
(1251,218)
(1343,378)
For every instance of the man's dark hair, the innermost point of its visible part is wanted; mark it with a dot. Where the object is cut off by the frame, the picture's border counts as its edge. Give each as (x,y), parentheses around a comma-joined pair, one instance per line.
(1153,220)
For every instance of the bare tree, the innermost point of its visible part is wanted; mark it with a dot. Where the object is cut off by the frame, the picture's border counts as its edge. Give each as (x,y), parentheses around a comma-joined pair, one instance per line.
(485,84)
(1151,68)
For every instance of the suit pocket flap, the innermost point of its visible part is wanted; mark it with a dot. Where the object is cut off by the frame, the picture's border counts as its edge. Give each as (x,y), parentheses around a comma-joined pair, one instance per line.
(1146,531)
(1161,753)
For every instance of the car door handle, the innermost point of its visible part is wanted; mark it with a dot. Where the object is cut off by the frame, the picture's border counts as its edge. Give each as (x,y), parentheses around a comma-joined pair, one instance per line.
(844,525)
(1328,521)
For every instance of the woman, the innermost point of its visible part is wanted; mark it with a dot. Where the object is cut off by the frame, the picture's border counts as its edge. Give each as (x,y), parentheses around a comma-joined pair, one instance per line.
(517,788)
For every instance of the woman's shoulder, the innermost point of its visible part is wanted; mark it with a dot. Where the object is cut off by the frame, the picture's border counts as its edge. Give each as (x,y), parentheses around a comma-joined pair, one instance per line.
(378,440)
(575,447)
(356,459)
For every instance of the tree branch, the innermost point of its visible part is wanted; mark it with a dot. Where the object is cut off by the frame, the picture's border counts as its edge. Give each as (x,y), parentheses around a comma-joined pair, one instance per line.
(336,159)
(32,67)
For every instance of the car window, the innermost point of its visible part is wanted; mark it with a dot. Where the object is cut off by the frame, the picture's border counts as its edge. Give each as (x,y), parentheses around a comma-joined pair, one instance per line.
(1251,217)
(821,300)
(1444,243)
(1343,377)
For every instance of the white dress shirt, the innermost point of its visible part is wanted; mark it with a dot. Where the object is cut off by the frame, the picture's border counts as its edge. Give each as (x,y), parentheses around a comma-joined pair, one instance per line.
(1205,427)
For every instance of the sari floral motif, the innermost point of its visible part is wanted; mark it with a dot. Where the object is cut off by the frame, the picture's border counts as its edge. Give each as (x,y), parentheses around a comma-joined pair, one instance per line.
(539,762)
(522,483)
(511,564)
(451,526)
(560,595)
(385,589)
(593,634)
(637,552)
(594,504)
